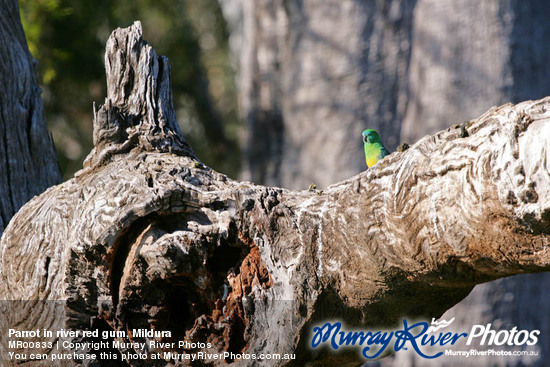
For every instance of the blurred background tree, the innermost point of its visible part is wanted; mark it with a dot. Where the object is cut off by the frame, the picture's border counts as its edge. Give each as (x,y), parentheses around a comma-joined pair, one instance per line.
(68,37)
(311,76)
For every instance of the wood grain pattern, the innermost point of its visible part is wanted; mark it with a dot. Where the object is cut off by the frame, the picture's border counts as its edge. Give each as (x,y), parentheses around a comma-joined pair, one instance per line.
(146,236)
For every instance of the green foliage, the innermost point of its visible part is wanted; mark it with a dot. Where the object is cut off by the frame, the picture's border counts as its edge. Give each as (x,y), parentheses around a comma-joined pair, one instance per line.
(68,37)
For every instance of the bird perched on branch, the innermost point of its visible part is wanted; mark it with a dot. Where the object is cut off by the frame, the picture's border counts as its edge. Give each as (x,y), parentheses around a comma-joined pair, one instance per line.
(374,149)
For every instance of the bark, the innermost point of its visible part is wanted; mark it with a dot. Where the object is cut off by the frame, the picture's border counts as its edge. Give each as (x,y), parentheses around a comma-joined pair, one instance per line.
(405,68)
(466,57)
(311,77)
(28,164)
(146,236)
(469,56)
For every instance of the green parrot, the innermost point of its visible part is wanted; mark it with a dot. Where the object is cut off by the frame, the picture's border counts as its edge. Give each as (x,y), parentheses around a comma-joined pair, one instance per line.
(374,149)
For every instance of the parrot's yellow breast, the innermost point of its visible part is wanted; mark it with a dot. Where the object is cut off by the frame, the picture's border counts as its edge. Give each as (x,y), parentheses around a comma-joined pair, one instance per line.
(371,161)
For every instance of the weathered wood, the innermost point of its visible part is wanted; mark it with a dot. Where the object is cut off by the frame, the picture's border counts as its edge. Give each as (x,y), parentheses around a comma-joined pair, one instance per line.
(28,164)
(312,75)
(146,236)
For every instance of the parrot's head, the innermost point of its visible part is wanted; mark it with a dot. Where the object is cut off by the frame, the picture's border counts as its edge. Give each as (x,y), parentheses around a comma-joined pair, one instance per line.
(370,136)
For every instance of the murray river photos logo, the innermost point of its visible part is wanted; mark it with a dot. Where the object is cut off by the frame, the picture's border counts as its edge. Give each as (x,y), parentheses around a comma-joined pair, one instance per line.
(425,339)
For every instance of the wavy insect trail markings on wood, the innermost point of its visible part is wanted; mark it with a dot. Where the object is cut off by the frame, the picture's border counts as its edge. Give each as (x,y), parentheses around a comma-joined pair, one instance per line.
(254,267)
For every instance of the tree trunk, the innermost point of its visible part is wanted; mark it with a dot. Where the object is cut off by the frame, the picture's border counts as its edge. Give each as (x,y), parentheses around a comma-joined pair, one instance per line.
(147,237)
(312,76)
(466,57)
(405,68)
(28,164)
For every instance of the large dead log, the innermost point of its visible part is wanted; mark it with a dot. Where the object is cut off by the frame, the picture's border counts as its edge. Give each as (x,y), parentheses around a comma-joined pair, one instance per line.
(146,236)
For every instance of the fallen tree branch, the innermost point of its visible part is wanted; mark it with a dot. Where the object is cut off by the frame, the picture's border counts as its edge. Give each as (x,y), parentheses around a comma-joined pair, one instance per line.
(147,237)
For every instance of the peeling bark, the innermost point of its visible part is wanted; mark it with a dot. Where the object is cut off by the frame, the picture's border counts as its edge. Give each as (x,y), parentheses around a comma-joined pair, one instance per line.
(146,236)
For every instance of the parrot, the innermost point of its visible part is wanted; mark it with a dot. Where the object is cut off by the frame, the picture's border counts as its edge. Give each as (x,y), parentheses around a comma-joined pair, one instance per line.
(374,149)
